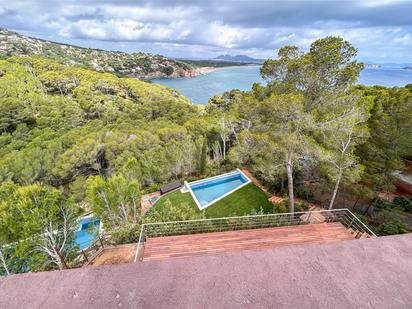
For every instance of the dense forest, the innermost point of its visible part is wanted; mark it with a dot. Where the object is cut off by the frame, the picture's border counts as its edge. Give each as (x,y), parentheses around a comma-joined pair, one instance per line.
(74,140)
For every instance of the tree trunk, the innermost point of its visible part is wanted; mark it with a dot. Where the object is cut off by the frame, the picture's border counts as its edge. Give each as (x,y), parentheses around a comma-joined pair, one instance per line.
(335,190)
(356,203)
(62,264)
(224,148)
(289,172)
(370,206)
(3,261)
(223,135)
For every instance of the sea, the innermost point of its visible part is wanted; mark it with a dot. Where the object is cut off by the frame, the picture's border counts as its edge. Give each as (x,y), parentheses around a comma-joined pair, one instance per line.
(199,89)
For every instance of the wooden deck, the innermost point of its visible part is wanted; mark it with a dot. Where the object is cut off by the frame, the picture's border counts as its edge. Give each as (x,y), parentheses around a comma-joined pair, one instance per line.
(198,244)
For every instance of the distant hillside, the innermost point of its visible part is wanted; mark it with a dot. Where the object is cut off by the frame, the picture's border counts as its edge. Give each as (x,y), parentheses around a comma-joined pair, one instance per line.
(238,58)
(138,65)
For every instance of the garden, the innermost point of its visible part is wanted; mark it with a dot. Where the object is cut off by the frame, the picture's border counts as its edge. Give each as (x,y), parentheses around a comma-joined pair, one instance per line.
(245,201)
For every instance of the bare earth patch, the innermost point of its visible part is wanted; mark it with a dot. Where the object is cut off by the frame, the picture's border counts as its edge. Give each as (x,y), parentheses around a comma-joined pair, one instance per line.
(115,255)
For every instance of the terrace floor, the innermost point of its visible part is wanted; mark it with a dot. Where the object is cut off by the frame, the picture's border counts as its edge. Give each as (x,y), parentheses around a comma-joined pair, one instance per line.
(114,255)
(158,248)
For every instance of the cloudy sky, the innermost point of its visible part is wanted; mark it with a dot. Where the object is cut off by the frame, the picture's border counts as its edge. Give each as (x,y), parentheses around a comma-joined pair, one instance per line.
(380,29)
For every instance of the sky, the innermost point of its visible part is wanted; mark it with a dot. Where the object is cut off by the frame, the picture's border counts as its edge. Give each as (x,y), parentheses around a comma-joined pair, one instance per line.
(380,29)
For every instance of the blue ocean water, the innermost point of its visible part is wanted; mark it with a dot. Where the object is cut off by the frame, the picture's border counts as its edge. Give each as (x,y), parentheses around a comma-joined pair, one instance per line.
(209,190)
(200,89)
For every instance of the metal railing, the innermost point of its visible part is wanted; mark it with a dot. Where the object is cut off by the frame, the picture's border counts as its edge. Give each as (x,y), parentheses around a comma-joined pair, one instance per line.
(173,228)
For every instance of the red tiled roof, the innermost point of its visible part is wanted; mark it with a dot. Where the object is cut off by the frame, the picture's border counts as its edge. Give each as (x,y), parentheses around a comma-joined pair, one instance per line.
(369,273)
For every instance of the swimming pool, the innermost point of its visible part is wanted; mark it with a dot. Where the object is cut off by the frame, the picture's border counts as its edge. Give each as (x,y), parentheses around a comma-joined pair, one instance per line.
(207,191)
(89,228)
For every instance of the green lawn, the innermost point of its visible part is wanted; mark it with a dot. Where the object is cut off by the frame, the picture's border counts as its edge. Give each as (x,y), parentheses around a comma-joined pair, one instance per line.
(240,202)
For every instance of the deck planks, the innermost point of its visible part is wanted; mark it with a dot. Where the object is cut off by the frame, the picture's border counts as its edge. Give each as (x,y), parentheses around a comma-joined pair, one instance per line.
(158,248)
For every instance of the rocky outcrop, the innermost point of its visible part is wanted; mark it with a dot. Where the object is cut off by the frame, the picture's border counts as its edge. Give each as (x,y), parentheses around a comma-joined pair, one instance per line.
(179,73)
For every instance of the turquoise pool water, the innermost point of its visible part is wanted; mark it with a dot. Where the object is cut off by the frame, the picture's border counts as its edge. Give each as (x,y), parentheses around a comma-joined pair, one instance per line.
(88,232)
(210,190)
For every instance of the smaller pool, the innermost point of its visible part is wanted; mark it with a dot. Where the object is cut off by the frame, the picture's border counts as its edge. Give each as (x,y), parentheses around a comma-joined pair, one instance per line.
(207,191)
(89,228)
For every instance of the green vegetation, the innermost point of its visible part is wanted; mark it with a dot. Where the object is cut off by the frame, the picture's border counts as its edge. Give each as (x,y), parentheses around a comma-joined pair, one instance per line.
(404,203)
(400,203)
(39,221)
(245,201)
(175,206)
(139,65)
(311,124)
(389,218)
(311,109)
(74,140)
(174,198)
(392,227)
(114,200)
(74,135)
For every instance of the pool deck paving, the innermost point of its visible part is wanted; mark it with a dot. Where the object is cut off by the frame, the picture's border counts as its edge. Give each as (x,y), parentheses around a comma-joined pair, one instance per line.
(145,202)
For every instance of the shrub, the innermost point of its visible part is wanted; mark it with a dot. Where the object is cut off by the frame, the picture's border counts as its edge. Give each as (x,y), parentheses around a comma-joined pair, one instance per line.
(404,203)
(392,227)
(301,207)
(383,204)
(280,207)
(126,233)
(168,70)
(254,212)
(305,194)
(283,207)
(154,187)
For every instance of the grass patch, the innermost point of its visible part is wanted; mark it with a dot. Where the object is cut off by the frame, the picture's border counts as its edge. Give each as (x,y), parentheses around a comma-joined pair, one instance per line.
(239,203)
(175,198)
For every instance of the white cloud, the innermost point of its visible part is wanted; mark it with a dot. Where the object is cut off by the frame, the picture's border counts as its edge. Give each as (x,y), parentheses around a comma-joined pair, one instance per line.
(375,3)
(377,27)
(405,40)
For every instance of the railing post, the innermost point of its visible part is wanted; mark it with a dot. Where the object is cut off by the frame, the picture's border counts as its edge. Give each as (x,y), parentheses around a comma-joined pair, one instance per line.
(85,256)
(140,244)
(101,242)
(350,225)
